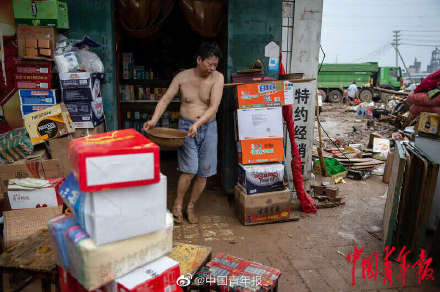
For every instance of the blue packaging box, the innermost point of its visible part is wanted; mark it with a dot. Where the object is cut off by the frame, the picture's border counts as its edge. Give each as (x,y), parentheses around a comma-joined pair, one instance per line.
(27,109)
(37,97)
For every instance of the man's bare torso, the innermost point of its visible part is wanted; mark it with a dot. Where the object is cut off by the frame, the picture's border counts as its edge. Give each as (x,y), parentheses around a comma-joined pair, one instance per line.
(195,93)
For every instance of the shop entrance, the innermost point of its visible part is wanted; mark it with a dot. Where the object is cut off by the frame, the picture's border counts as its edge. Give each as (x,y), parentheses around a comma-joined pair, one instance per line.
(154,42)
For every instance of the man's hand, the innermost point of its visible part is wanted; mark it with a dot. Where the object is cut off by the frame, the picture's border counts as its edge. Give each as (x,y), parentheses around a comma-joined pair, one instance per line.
(192,131)
(148,125)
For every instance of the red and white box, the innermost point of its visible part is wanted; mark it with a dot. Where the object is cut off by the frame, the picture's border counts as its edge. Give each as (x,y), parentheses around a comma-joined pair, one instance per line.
(227,273)
(33,81)
(112,160)
(160,275)
(21,197)
(34,67)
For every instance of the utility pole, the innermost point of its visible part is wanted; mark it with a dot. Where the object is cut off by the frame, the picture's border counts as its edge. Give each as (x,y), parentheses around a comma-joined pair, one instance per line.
(396,44)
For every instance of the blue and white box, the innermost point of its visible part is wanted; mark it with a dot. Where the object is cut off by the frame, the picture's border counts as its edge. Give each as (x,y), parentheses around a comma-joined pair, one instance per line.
(33,100)
(261,178)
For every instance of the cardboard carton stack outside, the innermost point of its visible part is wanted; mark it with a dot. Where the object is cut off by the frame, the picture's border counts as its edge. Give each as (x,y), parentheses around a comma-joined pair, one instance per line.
(20,164)
(260,194)
(81,94)
(120,221)
(33,78)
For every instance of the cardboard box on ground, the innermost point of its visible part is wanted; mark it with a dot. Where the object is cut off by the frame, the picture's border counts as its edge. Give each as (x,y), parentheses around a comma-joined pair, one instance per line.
(19,224)
(263,207)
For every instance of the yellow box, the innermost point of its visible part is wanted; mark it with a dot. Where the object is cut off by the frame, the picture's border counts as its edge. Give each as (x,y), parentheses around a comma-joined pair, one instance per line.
(429,124)
(49,123)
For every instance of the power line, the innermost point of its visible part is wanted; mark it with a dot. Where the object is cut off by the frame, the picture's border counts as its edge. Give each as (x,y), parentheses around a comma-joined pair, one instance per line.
(419,45)
(420,40)
(438,31)
(395,44)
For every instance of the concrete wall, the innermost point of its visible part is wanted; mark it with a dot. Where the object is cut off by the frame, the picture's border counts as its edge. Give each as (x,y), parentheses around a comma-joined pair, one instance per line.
(305,59)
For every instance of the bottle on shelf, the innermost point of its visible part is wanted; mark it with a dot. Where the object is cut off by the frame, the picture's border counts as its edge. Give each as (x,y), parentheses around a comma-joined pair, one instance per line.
(127,121)
(147,73)
(165,120)
(137,121)
(144,117)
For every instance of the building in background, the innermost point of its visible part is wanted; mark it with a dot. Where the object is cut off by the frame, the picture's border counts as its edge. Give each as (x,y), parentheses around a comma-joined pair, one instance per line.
(435,61)
(415,68)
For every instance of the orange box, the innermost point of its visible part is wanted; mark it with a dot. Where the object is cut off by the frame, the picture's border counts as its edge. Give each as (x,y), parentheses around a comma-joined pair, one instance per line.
(253,151)
(31,43)
(260,95)
(31,52)
(44,44)
(45,52)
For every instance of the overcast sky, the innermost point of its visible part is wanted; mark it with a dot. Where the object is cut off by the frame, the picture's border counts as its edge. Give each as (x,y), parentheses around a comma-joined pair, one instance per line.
(362,30)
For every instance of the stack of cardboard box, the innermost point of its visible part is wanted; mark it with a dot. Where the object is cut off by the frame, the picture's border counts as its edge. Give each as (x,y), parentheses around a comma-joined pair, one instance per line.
(81,94)
(33,78)
(260,193)
(120,221)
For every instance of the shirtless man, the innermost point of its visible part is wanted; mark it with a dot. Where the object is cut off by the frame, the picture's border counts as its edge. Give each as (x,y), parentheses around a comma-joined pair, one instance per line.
(201,90)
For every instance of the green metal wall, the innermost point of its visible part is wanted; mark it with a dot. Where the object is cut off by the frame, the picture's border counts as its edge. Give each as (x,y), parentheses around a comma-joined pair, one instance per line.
(252,24)
(95,19)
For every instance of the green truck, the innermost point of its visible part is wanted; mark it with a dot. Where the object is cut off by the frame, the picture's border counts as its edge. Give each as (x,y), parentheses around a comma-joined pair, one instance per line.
(334,78)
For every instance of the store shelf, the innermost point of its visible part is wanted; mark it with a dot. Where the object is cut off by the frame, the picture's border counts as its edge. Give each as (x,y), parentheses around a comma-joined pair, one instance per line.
(146,82)
(145,101)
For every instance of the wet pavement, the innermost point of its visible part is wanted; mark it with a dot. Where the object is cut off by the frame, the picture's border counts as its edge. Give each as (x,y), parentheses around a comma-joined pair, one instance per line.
(312,252)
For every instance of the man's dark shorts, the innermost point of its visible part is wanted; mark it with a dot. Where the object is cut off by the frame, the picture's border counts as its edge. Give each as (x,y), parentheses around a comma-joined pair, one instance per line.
(198,155)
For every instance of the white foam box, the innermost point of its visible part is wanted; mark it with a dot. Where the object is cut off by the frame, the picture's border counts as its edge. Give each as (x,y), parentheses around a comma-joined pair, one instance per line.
(259,123)
(94,266)
(113,215)
(160,275)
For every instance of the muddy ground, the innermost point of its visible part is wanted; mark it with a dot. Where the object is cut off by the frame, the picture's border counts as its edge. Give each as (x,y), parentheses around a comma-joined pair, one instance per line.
(312,252)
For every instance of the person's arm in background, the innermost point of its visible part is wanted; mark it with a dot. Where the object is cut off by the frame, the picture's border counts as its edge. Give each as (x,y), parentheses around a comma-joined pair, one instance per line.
(162,105)
(214,102)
